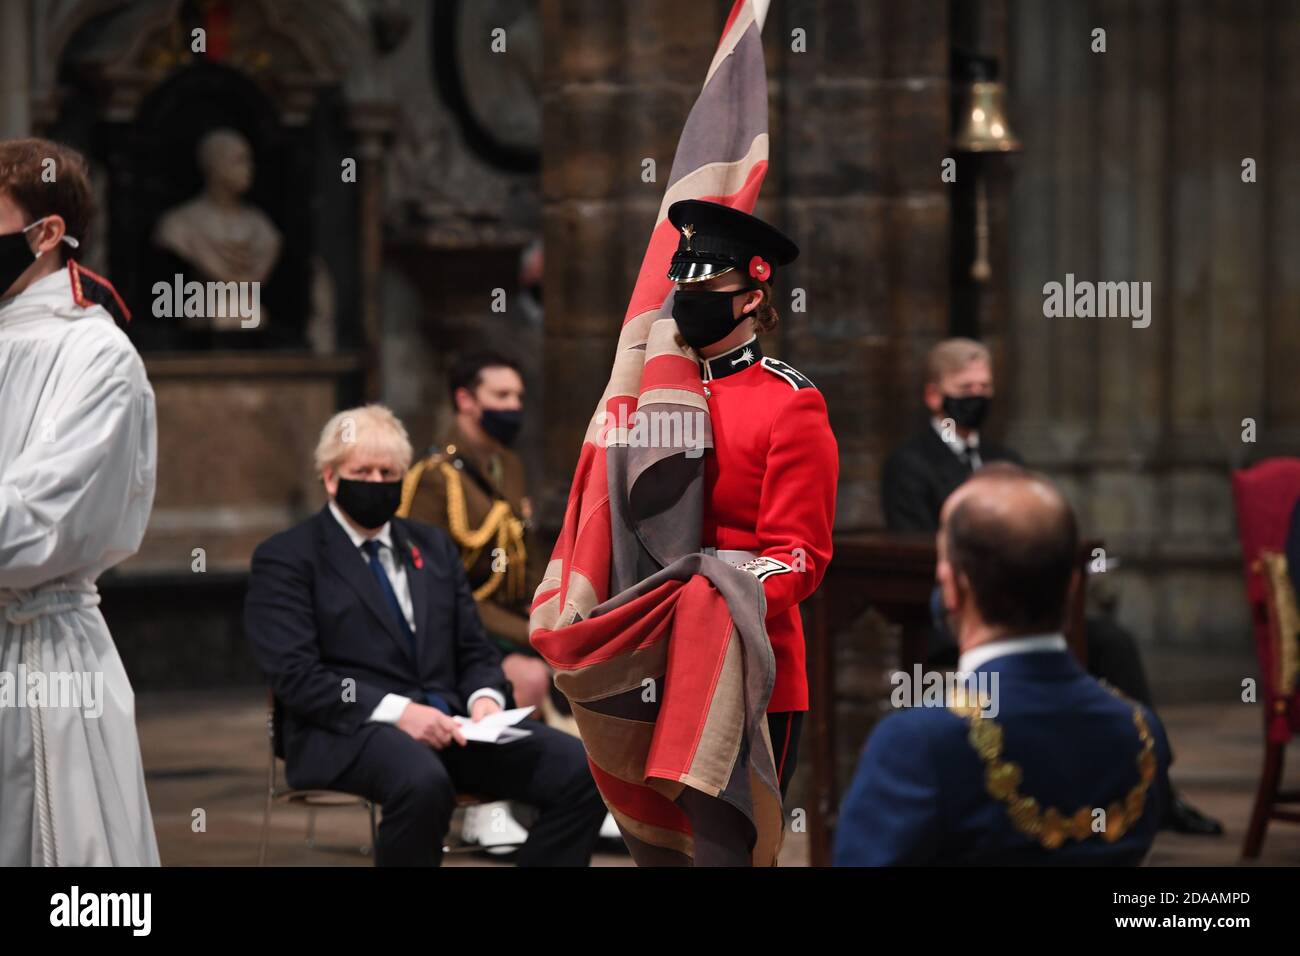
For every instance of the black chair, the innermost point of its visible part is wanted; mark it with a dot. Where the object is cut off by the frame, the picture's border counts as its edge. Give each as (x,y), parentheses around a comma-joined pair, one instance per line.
(312,799)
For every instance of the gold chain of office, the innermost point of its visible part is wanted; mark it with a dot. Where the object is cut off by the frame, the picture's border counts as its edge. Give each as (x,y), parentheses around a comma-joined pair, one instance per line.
(1050,827)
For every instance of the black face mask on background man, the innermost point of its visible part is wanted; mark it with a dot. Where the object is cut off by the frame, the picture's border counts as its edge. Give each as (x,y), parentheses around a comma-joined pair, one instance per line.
(502,424)
(968,411)
(705,317)
(369,503)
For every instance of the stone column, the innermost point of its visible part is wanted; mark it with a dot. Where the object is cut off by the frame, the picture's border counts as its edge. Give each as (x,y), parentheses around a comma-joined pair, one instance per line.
(860,127)
(617,84)
(15,69)
(370,172)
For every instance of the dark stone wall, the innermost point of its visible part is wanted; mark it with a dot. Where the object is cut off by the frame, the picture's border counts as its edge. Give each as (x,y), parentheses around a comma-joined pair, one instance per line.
(1132,171)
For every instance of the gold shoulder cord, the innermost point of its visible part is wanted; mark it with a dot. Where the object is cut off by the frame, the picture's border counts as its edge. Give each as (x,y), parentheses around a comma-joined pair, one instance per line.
(1051,827)
(500,526)
(409,485)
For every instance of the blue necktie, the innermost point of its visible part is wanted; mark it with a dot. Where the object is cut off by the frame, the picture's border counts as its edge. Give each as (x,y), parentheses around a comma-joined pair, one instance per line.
(371,549)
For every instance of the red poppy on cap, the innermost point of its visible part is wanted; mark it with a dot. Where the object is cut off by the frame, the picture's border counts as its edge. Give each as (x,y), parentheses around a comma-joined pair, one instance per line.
(759,269)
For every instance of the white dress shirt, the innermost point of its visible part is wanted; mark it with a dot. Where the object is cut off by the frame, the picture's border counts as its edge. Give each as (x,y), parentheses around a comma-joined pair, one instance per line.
(1009,646)
(391,707)
(960,446)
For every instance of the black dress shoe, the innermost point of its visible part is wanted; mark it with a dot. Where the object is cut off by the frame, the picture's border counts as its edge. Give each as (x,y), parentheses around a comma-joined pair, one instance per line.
(1181,817)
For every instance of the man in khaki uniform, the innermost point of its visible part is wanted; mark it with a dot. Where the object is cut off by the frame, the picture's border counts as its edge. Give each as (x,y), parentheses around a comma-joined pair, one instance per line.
(472,487)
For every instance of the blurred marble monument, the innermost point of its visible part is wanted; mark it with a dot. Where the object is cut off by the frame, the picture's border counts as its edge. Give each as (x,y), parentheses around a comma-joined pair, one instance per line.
(221,236)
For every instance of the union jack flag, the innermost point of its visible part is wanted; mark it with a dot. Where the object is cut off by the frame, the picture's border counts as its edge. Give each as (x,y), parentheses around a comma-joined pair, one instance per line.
(661,650)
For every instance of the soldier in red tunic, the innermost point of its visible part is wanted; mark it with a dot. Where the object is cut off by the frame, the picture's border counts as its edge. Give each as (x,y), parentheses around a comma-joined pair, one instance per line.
(770,480)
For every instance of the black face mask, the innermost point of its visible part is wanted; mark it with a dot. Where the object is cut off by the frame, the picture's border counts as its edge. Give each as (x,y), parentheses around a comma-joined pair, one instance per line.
(502,424)
(369,503)
(15,257)
(968,411)
(705,317)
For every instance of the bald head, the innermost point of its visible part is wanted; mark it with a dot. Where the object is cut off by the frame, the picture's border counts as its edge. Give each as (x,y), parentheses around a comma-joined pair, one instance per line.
(1011,536)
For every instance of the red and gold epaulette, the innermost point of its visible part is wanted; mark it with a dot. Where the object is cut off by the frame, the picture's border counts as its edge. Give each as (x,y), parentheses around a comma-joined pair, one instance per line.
(89,288)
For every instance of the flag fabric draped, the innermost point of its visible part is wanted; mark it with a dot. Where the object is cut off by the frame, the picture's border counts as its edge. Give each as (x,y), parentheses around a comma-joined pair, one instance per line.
(661,649)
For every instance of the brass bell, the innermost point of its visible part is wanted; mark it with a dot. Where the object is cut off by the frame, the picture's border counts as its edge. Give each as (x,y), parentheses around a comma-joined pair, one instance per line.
(984,127)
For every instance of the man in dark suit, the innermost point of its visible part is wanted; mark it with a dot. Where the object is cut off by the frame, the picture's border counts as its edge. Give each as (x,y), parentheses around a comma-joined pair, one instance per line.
(921,474)
(1041,764)
(368,631)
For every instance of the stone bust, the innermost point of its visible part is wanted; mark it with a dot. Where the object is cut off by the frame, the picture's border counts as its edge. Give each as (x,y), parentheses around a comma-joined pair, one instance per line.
(224,238)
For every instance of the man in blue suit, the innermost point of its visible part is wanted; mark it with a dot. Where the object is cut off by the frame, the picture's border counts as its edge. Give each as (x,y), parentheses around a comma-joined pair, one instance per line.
(368,630)
(1056,768)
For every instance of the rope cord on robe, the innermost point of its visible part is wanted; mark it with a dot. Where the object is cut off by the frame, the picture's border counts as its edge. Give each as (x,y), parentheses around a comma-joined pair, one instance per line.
(47,848)
(22,607)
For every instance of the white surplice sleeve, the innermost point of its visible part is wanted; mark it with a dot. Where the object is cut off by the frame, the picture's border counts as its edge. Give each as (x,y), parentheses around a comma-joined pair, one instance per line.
(78,495)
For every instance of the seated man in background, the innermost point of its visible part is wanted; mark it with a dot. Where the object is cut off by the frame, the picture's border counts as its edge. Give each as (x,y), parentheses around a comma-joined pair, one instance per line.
(920,475)
(367,629)
(472,486)
(923,471)
(1067,772)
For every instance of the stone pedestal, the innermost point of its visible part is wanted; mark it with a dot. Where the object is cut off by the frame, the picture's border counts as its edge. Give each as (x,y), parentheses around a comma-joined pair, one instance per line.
(235,441)
(236,436)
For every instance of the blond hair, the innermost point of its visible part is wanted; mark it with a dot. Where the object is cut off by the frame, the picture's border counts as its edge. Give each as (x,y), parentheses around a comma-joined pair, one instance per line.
(953,355)
(368,428)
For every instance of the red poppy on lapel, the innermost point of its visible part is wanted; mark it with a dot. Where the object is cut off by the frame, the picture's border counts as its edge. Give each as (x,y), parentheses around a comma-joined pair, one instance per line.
(415,557)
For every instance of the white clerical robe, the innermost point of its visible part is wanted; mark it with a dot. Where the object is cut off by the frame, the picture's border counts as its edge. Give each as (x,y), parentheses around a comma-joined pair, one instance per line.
(78,445)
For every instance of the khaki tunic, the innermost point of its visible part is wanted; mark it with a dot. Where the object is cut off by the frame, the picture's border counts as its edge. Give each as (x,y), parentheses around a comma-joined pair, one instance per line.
(480,500)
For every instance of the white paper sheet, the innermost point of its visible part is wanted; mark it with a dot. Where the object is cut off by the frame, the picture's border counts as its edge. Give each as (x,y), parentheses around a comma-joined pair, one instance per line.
(496,728)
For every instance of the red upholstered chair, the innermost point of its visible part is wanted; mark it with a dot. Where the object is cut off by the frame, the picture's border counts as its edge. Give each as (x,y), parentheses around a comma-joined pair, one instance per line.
(1265,495)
